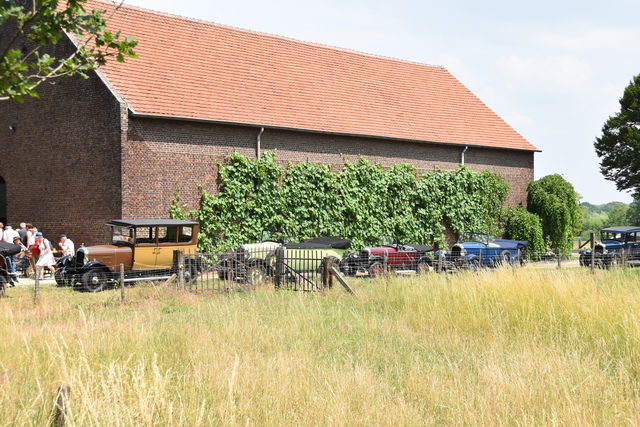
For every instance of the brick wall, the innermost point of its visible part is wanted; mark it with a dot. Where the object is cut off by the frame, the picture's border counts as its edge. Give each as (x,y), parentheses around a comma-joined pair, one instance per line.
(163,156)
(62,163)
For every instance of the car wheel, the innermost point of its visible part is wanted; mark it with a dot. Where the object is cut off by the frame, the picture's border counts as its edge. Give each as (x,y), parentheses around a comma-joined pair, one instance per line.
(472,266)
(350,271)
(256,276)
(94,280)
(376,269)
(61,279)
(506,258)
(423,268)
(190,273)
(3,286)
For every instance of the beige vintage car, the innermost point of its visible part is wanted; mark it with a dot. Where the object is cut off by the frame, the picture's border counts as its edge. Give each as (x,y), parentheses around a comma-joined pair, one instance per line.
(145,247)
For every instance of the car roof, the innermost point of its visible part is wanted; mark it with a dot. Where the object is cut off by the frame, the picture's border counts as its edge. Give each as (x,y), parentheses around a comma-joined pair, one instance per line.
(149,222)
(627,229)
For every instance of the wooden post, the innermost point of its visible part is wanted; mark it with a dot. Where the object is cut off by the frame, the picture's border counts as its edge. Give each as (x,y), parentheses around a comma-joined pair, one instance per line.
(279,267)
(440,254)
(122,296)
(593,254)
(64,392)
(327,263)
(36,290)
(559,258)
(180,256)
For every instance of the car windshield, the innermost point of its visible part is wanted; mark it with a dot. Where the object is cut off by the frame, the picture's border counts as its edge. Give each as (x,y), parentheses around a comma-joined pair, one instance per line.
(387,241)
(606,235)
(274,236)
(120,235)
(470,236)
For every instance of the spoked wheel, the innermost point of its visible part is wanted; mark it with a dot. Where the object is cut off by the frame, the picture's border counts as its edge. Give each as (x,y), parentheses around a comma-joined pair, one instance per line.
(506,258)
(61,280)
(473,266)
(423,268)
(376,269)
(190,273)
(94,280)
(256,276)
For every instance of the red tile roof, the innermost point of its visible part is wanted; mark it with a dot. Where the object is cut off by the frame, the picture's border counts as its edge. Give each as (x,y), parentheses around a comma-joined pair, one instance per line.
(201,70)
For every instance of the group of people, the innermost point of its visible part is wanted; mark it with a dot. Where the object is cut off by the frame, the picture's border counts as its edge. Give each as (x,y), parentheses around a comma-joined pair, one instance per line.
(34,247)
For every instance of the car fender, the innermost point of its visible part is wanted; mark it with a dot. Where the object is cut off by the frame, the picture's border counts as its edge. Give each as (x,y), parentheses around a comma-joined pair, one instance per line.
(93,265)
(470,257)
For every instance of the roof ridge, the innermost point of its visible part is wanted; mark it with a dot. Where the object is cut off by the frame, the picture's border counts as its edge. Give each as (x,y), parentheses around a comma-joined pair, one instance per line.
(122,4)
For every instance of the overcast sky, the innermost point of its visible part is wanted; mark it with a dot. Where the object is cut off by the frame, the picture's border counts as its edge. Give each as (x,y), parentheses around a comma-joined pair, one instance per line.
(554,70)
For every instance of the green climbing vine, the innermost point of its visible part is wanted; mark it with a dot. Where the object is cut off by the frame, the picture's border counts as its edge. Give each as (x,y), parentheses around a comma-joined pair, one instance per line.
(360,201)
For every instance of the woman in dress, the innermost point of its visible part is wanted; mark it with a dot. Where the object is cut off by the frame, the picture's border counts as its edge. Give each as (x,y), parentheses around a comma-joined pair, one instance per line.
(46,256)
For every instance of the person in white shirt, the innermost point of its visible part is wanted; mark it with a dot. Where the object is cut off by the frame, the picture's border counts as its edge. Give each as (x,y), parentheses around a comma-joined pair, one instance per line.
(67,246)
(9,233)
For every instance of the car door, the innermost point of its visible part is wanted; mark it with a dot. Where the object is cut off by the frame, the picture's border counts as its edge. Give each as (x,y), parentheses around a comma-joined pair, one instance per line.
(633,246)
(145,248)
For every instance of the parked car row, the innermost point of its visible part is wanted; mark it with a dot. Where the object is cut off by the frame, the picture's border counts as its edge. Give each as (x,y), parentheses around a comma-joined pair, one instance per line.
(474,250)
(146,250)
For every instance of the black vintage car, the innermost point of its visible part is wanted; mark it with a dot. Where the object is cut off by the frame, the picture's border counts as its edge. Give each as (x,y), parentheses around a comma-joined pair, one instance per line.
(616,244)
(7,279)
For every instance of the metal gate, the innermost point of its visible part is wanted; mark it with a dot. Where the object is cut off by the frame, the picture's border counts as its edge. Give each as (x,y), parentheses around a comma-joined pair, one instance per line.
(237,271)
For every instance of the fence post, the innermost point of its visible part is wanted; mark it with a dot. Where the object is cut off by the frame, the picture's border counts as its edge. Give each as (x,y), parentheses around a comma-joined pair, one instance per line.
(180,256)
(440,261)
(36,289)
(60,409)
(593,254)
(327,278)
(559,258)
(279,267)
(122,295)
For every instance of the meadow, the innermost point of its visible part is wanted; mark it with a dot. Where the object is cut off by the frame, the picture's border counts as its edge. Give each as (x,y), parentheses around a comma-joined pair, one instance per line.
(506,347)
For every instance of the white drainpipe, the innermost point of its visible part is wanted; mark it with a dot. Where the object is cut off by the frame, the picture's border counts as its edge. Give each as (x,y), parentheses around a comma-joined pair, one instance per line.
(462,156)
(258,143)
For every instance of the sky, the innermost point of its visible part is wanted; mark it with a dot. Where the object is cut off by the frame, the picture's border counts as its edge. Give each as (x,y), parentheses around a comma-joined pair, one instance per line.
(553,70)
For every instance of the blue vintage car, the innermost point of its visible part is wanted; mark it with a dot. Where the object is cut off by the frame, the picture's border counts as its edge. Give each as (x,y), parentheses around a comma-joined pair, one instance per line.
(616,244)
(474,250)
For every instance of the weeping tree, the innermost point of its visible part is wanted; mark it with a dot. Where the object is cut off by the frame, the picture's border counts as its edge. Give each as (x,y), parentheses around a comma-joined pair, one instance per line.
(557,204)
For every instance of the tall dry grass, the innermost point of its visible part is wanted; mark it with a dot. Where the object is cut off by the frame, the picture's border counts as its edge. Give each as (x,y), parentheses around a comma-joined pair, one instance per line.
(507,347)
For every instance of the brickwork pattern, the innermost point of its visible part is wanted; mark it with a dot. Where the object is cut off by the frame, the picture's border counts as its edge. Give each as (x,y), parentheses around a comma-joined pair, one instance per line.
(62,163)
(177,155)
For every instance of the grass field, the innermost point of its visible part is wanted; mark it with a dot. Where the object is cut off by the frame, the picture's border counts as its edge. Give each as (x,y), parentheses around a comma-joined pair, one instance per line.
(507,347)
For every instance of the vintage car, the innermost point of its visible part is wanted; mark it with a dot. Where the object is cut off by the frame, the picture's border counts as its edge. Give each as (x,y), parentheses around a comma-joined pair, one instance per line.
(145,247)
(388,255)
(616,244)
(254,262)
(307,256)
(7,279)
(250,262)
(474,250)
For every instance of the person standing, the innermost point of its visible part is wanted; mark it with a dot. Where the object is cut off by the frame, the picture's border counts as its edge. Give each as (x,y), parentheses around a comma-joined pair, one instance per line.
(23,233)
(67,246)
(9,234)
(46,256)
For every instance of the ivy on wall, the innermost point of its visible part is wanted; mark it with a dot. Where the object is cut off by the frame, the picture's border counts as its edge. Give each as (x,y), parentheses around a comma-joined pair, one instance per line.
(361,202)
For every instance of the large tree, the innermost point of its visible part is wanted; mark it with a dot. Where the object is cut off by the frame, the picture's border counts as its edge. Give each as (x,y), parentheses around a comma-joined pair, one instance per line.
(557,204)
(29,29)
(619,145)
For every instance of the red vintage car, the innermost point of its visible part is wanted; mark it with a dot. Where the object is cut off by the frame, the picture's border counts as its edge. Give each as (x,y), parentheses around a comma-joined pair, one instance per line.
(388,256)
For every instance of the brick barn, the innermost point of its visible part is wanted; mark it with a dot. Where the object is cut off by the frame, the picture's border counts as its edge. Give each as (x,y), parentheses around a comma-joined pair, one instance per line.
(119,144)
